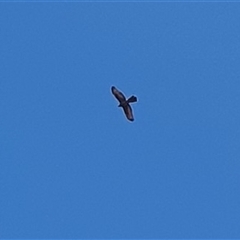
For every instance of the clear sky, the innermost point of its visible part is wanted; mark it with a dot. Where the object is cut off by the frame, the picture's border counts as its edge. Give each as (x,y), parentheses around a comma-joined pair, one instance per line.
(72,165)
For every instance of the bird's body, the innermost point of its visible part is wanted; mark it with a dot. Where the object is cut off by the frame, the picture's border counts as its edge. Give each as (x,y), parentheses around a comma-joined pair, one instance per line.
(124,103)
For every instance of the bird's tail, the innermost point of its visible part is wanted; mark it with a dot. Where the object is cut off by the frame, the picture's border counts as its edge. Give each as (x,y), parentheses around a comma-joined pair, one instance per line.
(132,99)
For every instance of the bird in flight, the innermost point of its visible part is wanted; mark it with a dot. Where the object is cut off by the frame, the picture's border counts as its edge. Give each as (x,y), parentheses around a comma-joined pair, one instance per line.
(124,103)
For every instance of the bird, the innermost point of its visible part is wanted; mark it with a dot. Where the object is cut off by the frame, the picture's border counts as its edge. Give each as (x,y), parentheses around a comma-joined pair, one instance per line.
(124,103)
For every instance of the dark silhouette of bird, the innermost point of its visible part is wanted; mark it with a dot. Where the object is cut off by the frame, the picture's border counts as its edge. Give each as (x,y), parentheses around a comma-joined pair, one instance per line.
(124,103)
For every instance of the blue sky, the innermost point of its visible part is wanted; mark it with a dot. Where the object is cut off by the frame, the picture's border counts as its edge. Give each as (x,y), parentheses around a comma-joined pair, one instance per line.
(72,166)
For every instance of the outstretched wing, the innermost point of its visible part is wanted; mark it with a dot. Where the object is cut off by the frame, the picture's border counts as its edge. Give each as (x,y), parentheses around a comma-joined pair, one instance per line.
(120,97)
(128,112)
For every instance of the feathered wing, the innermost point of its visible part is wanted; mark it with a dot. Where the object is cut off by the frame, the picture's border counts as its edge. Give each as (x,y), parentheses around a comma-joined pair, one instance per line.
(120,97)
(128,112)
